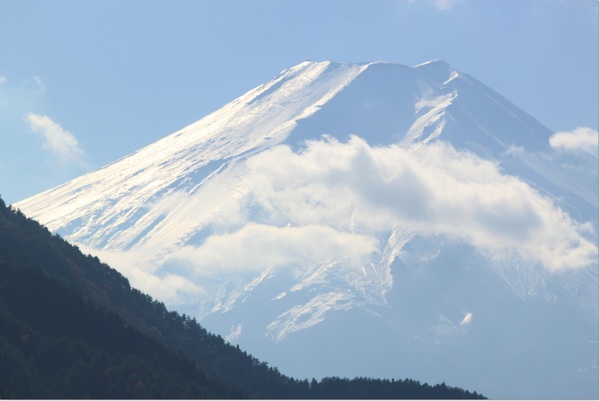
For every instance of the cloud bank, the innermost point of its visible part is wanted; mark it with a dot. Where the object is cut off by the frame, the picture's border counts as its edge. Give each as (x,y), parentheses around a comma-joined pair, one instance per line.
(346,209)
(431,189)
(59,142)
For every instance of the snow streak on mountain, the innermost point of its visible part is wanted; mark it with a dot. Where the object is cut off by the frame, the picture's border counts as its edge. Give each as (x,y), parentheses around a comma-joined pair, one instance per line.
(363,220)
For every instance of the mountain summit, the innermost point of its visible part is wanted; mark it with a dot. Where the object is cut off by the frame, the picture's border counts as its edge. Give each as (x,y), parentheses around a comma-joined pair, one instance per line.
(366,219)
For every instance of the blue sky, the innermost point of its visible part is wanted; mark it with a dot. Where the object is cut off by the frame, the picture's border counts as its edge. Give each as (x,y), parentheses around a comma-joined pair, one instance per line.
(83,83)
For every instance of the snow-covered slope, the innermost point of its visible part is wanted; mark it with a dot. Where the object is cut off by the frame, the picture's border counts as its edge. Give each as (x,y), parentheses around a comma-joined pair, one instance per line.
(363,219)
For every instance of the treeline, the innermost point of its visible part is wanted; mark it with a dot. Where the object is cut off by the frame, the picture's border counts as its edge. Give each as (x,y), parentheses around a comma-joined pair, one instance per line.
(366,388)
(129,337)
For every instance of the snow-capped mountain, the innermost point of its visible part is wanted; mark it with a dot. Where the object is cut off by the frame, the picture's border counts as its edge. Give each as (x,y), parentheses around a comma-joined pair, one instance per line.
(363,219)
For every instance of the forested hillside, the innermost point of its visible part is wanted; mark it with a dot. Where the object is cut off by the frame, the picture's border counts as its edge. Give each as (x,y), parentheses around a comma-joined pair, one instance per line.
(72,327)
(53,344)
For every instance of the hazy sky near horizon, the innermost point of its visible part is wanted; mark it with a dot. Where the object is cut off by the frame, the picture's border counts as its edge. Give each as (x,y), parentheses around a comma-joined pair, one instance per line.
(83,83)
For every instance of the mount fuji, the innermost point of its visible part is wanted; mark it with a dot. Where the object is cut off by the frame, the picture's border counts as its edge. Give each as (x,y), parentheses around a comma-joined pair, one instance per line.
(367,219)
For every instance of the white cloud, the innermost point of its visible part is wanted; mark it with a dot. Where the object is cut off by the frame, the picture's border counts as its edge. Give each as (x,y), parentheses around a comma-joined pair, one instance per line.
(59,142)
(3,79)
(432,189)
(580,139)
(257,247)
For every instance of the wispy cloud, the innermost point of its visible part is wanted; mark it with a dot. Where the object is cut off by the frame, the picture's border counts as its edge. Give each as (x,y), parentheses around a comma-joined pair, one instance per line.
(19,95)
(441,5)
(37,83)
(60,143)
(30,88)
(445,4)
(580,139)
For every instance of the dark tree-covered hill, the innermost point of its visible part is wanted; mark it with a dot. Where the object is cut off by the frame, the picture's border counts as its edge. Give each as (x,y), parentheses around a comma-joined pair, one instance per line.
(72,327)
(54,344)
